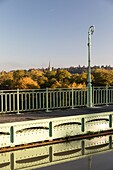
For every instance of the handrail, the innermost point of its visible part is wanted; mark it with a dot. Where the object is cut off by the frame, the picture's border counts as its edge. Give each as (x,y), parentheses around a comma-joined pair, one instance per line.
(24,100)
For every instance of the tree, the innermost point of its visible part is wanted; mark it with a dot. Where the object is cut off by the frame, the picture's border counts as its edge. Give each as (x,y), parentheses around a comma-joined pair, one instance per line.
(6,81)
(103,77)
(27,83)
(19,74)
(62,74)
(34,74)
(50,74)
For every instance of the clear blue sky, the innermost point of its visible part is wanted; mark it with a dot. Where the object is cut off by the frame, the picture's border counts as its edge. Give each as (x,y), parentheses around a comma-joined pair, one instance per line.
(32,32)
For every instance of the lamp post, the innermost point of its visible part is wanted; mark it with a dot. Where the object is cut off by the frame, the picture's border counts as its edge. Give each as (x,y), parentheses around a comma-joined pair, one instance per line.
(89,82)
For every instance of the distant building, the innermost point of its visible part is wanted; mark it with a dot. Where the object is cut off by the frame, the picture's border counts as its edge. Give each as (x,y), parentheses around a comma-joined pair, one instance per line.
(50,68)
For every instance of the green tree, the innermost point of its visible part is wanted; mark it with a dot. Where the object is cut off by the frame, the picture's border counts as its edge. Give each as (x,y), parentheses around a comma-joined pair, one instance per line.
(50,74)
(62,74)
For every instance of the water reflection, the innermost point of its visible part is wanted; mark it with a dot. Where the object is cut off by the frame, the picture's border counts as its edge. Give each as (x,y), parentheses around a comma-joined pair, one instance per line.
(34,158)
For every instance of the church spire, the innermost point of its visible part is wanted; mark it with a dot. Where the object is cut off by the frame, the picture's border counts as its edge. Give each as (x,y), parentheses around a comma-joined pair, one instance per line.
(50,68)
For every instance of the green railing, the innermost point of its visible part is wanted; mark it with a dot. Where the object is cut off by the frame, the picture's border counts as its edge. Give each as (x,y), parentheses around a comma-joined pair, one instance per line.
(46,99)
(102,95)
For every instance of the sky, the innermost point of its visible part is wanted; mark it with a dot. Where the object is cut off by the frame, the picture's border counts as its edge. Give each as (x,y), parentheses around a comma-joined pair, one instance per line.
(34,32)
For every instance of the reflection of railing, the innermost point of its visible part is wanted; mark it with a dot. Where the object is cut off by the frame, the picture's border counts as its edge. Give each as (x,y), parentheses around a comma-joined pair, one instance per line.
(47,99)
(53,154)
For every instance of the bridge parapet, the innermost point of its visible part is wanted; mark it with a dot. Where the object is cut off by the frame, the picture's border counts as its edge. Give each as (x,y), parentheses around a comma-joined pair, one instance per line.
(17,101)
(26,132)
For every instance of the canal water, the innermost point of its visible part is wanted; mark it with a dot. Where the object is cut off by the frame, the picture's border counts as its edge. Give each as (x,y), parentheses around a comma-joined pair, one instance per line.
(87,154)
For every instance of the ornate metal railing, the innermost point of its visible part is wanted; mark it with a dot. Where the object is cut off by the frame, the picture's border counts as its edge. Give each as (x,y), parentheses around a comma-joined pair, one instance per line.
(47,99)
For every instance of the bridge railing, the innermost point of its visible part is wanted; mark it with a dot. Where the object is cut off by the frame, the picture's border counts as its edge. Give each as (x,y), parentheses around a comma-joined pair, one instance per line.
(65,98)
(46,99)
(102,95)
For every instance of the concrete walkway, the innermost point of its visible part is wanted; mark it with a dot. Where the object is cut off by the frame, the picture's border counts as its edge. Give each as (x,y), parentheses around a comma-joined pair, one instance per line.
(13,117)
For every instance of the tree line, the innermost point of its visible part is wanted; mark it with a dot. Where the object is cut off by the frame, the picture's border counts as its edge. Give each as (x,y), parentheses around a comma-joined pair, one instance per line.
(60,78)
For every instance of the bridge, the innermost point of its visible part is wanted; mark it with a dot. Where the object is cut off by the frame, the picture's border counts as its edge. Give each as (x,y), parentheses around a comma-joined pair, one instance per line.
(19,101)
(30,116)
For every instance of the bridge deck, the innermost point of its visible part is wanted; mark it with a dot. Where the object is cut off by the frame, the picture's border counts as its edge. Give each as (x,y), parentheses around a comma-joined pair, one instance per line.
(13,117)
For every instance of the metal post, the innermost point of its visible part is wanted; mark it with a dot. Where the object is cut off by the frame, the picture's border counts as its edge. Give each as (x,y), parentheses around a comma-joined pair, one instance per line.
(18,101)
(89,84)
(72,99)
(106,95)
(47,110)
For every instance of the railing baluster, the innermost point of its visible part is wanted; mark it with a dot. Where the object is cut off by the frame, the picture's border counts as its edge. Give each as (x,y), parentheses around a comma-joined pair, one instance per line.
(102,96)
(81,98)
(75,96)
(6,102)
(44,101)
(106,95)
(10,102)
(73,99)
(66,98)
(21,94)
(32,96)
(36,103)
(69,98)
(53,99)
(40,100)
(57,99)
(25,101)
(17,101)
(63,98)
(60,98)
(2,102)
(47,100)
(14,102)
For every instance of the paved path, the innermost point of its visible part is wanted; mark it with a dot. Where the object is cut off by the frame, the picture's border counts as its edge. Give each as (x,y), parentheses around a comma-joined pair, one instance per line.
(7,118)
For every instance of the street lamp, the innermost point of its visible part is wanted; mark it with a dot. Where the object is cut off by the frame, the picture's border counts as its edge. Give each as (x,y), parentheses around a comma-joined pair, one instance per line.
(89,85)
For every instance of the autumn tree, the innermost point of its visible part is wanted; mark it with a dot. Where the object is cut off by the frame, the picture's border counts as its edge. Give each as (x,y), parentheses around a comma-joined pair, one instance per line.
(103,77)
(17,74)
(63,77)
(34,74)
(6,80)
(27,83)
(78,80)
(50,74)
